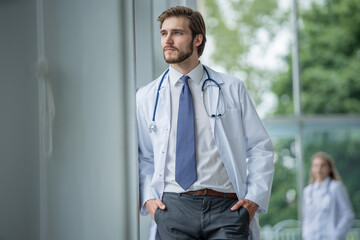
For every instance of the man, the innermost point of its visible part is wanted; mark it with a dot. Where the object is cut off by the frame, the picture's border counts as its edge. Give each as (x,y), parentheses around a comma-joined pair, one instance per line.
(205,159)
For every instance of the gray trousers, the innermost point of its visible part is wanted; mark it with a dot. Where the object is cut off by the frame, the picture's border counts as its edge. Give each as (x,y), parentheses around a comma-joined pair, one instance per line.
(201,217)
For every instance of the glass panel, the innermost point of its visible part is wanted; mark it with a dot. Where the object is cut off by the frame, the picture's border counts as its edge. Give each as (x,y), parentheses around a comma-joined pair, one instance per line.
(283,201)
(329,56)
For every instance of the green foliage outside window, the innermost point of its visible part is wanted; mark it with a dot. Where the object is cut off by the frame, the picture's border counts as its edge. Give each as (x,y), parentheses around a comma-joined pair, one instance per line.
(234,33)
(329,40)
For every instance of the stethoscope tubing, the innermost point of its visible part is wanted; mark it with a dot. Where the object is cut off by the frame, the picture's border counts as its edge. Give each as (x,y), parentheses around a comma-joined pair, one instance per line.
(209,79)
(157,94)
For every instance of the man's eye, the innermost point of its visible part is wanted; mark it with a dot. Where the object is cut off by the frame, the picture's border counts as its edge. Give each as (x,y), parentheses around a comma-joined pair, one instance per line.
(178,33)
(163,34)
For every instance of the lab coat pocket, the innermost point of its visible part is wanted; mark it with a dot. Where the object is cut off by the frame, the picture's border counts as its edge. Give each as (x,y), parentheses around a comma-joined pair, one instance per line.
(232,123)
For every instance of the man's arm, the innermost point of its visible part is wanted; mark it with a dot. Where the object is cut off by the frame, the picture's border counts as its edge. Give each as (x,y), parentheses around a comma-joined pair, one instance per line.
(146,157)
(346,215)
(259,153)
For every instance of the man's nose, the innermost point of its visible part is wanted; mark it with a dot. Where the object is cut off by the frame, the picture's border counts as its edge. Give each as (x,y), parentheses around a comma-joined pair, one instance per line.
(168,39)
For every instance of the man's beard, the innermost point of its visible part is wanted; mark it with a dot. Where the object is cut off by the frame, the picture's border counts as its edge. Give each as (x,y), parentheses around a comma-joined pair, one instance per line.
(181,57)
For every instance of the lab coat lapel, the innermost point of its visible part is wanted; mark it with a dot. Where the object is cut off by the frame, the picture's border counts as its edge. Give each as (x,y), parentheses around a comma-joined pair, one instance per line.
(217,125)
(164,105)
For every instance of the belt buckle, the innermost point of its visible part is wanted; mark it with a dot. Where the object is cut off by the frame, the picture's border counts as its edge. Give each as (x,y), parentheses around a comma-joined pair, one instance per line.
(205,192)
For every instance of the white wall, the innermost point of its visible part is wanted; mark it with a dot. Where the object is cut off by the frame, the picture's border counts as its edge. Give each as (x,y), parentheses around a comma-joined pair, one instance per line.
(19,188)
(90,170)
(87,187)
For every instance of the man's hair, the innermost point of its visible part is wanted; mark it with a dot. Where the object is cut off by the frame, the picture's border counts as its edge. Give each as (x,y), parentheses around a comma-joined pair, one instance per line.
(196,22)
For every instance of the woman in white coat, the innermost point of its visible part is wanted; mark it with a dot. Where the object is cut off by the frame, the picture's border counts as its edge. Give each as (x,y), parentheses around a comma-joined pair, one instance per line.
(327,211)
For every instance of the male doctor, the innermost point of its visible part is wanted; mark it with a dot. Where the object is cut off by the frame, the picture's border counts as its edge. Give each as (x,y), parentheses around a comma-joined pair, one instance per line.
(205,159)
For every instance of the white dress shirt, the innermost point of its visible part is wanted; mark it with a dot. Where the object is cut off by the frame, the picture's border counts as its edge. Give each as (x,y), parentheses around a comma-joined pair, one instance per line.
(327,211)
(210,169)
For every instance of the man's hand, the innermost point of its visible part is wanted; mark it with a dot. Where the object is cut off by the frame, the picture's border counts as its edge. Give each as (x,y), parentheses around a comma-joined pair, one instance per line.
(152,204)
(249,205)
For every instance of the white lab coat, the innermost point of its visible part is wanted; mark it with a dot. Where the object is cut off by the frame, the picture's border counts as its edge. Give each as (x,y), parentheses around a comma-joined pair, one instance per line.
(239,135)
(327,211)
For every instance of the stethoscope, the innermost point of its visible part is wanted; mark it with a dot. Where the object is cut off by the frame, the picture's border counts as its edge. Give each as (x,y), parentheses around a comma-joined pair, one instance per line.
(152,125)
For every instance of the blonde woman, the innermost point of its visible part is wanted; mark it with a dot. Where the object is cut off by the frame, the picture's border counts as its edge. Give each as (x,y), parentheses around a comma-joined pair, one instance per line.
(327,211)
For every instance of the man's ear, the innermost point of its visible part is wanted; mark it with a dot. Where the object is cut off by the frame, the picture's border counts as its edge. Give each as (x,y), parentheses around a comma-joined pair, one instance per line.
(198,40)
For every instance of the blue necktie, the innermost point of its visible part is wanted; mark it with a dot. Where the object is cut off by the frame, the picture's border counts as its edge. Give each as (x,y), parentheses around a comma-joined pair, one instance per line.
(185,168)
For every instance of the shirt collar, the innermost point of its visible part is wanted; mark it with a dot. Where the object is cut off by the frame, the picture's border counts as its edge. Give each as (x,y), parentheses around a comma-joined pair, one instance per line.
(195,75)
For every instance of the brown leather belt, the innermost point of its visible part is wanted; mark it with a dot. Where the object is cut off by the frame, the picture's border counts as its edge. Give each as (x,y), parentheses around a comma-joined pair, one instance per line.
(209,192)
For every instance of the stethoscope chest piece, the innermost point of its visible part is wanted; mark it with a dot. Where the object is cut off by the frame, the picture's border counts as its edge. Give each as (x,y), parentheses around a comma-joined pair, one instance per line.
(152,127)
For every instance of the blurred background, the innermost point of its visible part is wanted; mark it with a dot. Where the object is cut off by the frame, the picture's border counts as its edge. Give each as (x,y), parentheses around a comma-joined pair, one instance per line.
(68,75)
(301,64)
